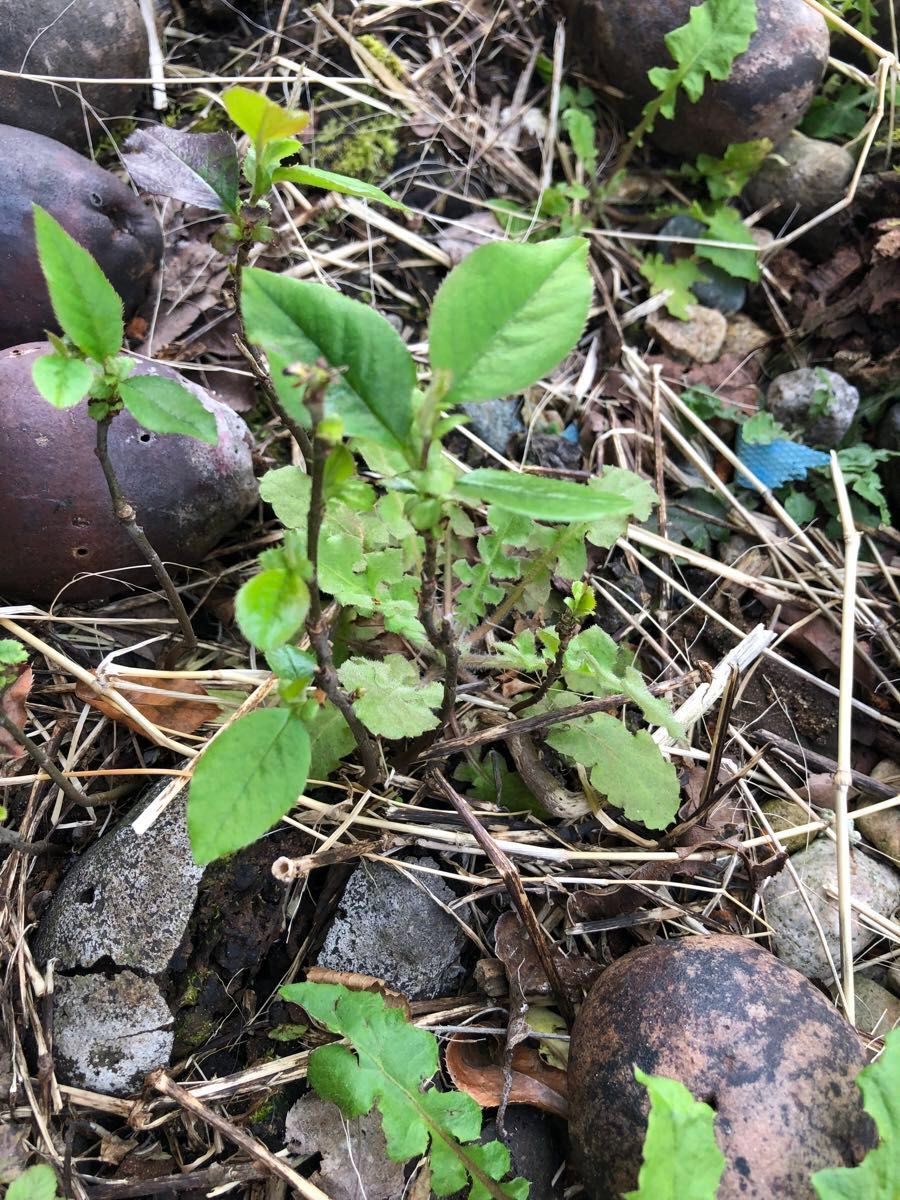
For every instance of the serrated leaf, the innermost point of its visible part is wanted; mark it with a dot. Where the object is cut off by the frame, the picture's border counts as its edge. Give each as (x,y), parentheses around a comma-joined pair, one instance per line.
(297,321)
(595,665)
(164,406)
(388,1063)
(84,301)
(724,224)
(682,1160)
(876,1178)
(508,314)
(196,168)
(271,607)
(245,781)
(540,498)
(705,47)
(580,127)
(332,182)
(626,767)
(727,176)
(288,490)
(677,278)
(261,118)
(35,1183)
(12,652)
(390,698)
(761,429)
(61,380)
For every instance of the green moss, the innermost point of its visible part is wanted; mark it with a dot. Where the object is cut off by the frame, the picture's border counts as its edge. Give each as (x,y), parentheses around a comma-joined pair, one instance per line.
(383,53)
(358,144)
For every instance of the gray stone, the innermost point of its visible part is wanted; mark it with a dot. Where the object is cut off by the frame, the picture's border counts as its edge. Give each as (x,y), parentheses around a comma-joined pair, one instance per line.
(396,930)
(108,1033)
(494,421)
(795,936)
(877,1009)
(882,829)
(744,337)
(128,899)
(888,438)
(819,405)
(699,339)
(801,173)
(535,1150)
(719,290)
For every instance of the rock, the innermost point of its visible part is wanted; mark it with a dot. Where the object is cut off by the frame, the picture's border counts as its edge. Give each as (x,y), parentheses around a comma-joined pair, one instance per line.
(534,1148)
(801,173)
(783,813)
(128,899)
(767,91)
(744,337)
(108,1033)
(719,290)
(882,829)
(93,38)
(877,1009)
(96,208)
(699,339)
(744,1033)
(819,405)
(795,936)
(888,438)
(494,421)
(59,519)
(392,928)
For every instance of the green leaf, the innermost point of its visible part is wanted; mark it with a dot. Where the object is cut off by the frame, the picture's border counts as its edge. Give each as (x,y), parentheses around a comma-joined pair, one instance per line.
(271,607)
(62,380)
(724,224)
(627,768)
(727,176)
(676,277)
(839,111)
(540,498)
(507,315)
(876,1178)
(288,490)
(260,118)
(12,652)
(716,32)
(388,1063)
(491,780)
(332,182)
(84,301)
(297,321)
(682,1160)
(196,168)
(164,406)
(800,507)
(330,740)
(595,665)
(579,125)
(245,781)
(762,429)
(390,699)
(36,1183)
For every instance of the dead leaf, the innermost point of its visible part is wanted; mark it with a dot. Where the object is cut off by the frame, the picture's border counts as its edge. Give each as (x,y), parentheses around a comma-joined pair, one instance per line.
(12,702)
(461,237)
(526,976)
(473,1065)
(354,1163)
(173,162)
(173,713)
(357,982)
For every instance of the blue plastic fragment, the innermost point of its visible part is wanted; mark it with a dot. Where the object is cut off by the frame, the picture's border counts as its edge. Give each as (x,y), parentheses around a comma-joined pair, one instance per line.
(779,462)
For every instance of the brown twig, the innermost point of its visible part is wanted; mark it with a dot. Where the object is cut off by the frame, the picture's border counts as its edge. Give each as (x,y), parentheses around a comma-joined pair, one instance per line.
(160,1082)
(567,628)
(127,518)
(69,789)
(216,1176)
(517,893)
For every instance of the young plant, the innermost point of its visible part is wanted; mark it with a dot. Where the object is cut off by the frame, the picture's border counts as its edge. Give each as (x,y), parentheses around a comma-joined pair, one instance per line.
(389,1064)
(34,1183)
(87,363)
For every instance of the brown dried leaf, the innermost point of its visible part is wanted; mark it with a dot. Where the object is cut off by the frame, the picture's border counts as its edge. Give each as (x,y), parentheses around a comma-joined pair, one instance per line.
(475,1068)
(12,702)
(354,1163)
(526,976)
(357,982)
(173,713)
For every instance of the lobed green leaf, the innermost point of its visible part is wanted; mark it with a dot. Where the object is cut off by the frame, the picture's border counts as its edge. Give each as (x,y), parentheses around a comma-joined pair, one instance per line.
(682,1160)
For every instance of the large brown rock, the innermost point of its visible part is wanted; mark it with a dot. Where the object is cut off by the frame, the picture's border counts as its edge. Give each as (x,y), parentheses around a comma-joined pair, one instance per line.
(766,94)
(88,39)
(747,1035)
(55,508)
(96,208)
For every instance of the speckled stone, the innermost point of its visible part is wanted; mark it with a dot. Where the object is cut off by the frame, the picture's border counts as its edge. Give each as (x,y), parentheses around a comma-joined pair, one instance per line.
(389,927)
(783,813)
(796,939)
(128,899)
(792,396)
(698,339)
(882,829)
(802,173)
(108,1033)
(877,1009)
(744,1033)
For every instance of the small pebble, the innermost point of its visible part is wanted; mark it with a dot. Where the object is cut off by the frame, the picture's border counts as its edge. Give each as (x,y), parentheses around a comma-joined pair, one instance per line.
(699,339)
(795,936)
(719,290)
(877,1009)
(494,421)
(744,337)
(882,829)
(819,405)
(801,173)
(783,813)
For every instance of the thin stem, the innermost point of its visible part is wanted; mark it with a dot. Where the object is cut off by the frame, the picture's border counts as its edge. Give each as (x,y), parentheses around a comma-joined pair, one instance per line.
(69,789)
(127,518)
(567,628)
